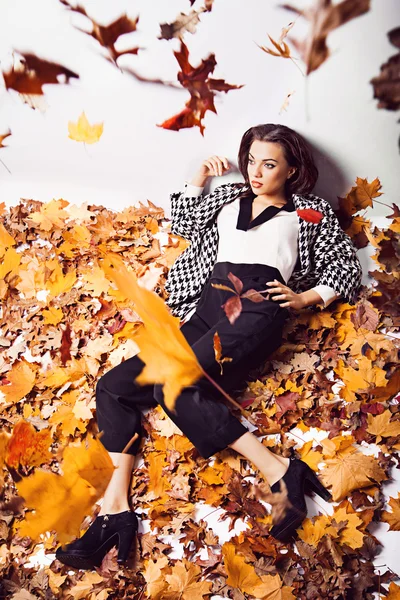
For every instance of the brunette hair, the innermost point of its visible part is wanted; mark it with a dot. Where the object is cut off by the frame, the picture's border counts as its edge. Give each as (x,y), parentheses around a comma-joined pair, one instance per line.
(296,152)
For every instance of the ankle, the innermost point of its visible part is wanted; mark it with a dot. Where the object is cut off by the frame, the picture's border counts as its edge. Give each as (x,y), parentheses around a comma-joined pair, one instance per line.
(113,509)
(278,472)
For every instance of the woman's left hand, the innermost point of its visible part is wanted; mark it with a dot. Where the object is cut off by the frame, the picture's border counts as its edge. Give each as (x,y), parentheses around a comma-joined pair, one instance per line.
(293,300)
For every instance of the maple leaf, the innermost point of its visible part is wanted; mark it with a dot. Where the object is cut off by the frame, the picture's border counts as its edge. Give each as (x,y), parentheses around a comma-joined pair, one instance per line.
(82,131)
(6,240)
(154,576)
(61,501)
(182,583)
(202,90)
(168,357)
(51,214)
(393,518)
(19,382)
(27,446)
(240,574)
(350,470)
(381,426)
(324,17)
(28,74)
(107,35)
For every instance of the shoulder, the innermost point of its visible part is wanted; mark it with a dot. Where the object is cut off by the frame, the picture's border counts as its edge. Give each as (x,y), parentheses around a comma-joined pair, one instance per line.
(317,203)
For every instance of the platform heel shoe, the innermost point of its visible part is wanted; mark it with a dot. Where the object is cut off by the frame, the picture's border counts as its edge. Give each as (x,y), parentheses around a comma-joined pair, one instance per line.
(106,531)
(299,478)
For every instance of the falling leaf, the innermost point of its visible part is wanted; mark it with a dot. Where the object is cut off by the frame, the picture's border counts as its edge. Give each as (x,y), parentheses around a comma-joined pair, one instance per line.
(202,90)
(28,74)
(28,447)
(87,472)
(324,17)
(168,357)
(82,131)
(107,35)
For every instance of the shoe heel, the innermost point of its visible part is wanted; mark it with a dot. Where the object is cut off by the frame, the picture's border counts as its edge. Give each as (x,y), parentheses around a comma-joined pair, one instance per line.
(125,539)
(316,486)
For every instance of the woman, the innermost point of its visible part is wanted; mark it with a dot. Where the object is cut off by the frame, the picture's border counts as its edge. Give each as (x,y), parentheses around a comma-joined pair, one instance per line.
(253,231)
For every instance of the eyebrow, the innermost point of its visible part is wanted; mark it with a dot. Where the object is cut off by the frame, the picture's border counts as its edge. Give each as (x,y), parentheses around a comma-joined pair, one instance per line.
(250,154)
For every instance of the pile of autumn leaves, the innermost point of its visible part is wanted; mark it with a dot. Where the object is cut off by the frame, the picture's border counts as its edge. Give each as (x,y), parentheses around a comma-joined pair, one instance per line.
(82,290)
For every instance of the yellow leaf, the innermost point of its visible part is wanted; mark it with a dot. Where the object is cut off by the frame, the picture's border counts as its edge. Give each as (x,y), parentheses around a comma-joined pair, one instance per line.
(381,426)
(28,447)
(82,131)
(393,518)
(21,380)
(58,283)
(52,315)
(240,574)
(6,240)
(211,476)
(312,531)
(51,214)
(80,591)
(155,577)
(60,502)
(157,483)
(310,456)
(350,535)
(350,471)
(271,588)
(183,582)
(10,262)
(168,357)
(394,592)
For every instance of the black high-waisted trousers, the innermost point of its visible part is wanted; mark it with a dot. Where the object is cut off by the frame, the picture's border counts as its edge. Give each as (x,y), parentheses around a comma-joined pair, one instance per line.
(201,415)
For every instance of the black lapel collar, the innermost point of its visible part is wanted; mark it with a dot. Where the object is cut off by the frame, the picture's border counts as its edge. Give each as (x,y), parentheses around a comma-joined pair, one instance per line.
(245,206)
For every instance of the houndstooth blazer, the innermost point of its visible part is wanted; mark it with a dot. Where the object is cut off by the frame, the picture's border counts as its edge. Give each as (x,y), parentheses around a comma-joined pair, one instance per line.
(326,255)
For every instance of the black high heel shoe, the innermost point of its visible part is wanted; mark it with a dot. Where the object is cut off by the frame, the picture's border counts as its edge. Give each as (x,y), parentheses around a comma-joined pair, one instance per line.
(105,532)
(298,478)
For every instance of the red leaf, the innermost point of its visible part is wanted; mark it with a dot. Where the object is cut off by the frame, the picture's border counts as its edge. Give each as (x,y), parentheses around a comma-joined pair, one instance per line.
(310,215)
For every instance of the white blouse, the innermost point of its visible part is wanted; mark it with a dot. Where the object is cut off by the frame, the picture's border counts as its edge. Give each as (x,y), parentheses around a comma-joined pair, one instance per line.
(273,242)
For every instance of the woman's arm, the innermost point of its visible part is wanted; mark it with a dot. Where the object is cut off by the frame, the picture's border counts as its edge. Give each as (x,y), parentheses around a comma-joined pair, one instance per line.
(183,203)
(182,210)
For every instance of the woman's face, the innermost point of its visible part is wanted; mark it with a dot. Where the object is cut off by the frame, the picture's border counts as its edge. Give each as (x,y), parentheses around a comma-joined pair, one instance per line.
(267,165)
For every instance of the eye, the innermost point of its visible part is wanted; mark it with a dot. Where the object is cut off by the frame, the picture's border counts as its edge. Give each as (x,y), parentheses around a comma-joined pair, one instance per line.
(266,164)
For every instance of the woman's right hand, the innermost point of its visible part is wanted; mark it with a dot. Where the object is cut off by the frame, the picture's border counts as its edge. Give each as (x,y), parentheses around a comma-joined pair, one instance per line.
(214,165)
